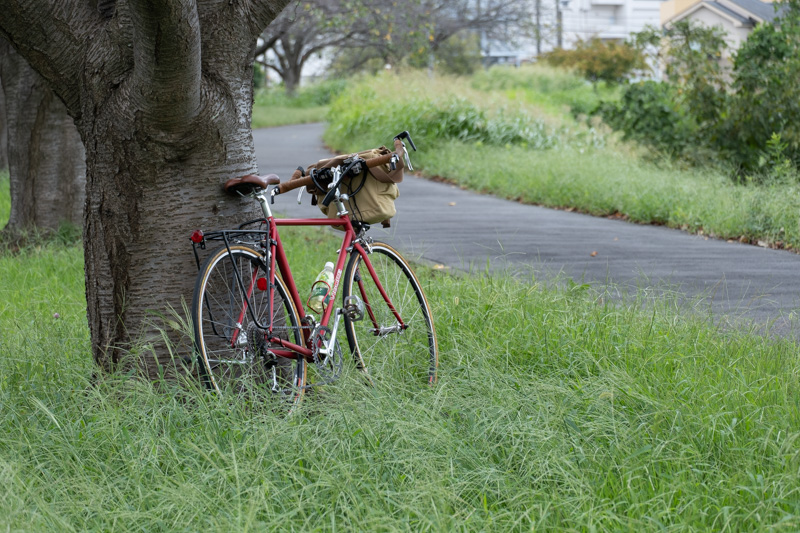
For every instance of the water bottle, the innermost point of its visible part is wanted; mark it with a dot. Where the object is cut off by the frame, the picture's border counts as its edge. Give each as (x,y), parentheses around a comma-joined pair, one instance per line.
(319,291)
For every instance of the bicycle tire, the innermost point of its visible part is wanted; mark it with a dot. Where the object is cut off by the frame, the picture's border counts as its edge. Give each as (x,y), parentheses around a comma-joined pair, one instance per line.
(234,357)
(412,352)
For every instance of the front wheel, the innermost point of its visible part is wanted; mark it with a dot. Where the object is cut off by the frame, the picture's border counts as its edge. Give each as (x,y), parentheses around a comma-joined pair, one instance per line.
(232,351)
(384,346)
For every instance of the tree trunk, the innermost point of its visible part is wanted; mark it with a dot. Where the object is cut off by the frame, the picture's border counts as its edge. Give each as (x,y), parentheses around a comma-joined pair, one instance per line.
(291,80)
(145,199)
(3,130)
(45,154)
(165,122)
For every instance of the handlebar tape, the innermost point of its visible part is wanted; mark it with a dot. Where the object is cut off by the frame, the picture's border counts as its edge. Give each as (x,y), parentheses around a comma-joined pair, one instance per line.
(295,182)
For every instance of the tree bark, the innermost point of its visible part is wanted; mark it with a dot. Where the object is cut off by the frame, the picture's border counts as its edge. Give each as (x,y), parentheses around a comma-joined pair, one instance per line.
(164,106)
(45,154)
(3,130)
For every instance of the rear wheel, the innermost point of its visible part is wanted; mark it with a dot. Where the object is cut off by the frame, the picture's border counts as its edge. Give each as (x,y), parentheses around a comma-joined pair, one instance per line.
(233,352)
(382,346)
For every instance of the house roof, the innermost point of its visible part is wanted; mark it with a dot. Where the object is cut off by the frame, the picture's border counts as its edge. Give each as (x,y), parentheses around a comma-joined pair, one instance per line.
(737,16)
(741,12)
(763,11)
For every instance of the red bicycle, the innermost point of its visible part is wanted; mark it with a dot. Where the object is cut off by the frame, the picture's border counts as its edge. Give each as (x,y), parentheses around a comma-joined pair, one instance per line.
(252,334)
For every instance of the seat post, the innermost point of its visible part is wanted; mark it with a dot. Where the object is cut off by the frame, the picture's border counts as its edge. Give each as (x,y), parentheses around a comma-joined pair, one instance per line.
(261,196)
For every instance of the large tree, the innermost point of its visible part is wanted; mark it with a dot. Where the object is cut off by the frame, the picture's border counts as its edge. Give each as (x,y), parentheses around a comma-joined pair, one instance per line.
(161,93)
(45,154)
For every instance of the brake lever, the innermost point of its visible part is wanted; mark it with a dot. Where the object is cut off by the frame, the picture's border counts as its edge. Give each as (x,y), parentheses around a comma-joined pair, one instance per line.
(406,135)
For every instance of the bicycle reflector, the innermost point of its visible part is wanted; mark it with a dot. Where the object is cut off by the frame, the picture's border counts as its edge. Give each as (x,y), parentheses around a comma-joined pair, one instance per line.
(197,236)
(261,283)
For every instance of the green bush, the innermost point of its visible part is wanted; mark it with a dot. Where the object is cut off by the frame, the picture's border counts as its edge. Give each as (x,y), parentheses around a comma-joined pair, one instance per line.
(766,99)
(599,60)
(648,113)
(749,117)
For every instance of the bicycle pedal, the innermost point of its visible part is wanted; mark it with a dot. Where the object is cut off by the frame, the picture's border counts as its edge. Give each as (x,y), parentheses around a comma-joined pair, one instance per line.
(354,308)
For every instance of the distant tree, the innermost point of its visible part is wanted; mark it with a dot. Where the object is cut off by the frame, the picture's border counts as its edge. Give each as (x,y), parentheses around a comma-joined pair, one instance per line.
(302,30)
(45,156)
(692,54)
(392,33)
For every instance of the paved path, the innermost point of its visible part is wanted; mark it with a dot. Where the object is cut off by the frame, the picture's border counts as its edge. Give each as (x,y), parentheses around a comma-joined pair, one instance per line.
(461,229)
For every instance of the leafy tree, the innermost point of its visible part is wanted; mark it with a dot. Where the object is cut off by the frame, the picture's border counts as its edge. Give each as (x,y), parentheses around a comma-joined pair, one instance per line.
(680,116)
(161,94)
(692,54)
(766,96)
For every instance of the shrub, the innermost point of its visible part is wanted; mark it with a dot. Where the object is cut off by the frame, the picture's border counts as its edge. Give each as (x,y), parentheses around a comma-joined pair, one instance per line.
(649,113)
(766,99)
(599,60)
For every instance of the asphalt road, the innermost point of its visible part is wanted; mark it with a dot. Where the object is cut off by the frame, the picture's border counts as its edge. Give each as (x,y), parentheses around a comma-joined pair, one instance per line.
(448,226)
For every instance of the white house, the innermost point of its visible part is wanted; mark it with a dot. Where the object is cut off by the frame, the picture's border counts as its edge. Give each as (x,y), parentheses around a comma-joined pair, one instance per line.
(736,17)
(607,19)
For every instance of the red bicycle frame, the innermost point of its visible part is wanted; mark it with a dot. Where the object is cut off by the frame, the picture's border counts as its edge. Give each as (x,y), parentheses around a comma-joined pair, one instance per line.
(278,259)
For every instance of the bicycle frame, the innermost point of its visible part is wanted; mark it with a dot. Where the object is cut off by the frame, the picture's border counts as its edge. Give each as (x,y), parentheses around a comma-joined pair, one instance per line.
(278,261)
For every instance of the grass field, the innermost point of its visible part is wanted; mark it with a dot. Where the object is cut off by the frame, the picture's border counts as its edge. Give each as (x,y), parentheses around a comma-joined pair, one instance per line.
(273,107)
(503,133)
(556,409)
(271,116)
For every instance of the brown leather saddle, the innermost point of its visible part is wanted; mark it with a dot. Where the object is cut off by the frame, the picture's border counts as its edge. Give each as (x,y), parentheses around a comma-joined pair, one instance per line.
(247,184)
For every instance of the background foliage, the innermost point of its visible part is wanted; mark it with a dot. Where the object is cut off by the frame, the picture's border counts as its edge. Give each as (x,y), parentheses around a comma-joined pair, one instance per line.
(746,118)
(599,60)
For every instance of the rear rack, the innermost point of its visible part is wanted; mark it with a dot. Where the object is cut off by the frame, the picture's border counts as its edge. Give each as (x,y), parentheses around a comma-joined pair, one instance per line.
(242,235)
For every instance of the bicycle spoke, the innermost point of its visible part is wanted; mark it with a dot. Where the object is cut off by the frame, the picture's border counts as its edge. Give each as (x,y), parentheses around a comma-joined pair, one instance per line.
(234,354)
(383,348)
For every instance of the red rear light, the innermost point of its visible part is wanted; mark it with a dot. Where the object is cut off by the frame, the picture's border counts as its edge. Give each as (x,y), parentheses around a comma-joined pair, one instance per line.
(197,236)
(261,283)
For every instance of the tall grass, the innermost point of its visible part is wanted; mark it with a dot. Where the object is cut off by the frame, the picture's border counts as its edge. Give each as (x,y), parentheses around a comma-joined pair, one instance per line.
(574,167)
(553,89)
(555,409)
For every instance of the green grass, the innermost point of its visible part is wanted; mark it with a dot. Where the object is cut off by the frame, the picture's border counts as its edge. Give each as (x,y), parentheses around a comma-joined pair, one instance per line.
(273,107)
(556,409)
(271,116)
(542,159)
(552,89)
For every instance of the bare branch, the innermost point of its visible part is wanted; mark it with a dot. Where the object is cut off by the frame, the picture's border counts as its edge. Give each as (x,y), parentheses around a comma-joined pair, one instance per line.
(262,12)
